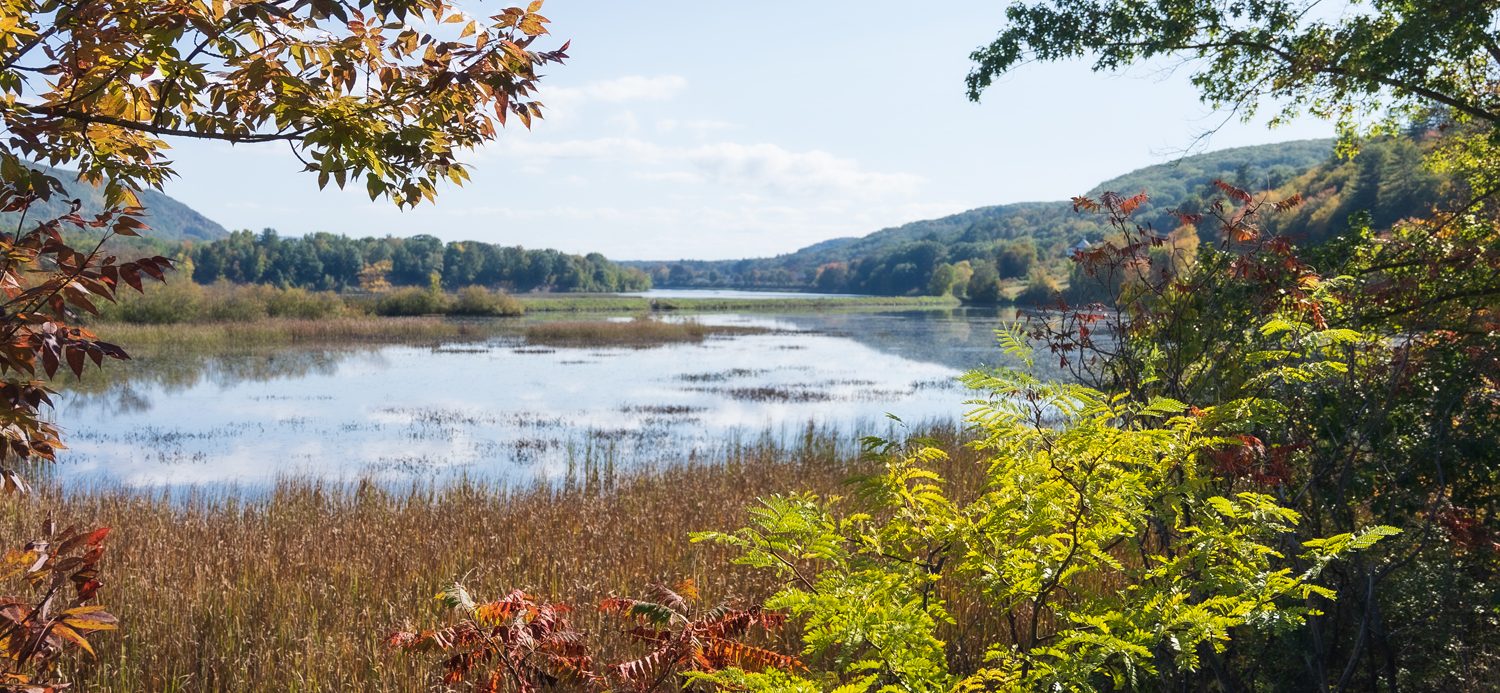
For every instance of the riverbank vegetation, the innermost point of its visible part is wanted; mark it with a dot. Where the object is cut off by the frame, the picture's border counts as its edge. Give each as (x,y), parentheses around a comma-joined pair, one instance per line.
(181,301)
(566,303)
(206,338)
(298,589)
(640,332)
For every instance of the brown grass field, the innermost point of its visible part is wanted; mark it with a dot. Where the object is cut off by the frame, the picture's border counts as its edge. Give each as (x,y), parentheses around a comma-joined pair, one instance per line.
(640,332)
(295,589)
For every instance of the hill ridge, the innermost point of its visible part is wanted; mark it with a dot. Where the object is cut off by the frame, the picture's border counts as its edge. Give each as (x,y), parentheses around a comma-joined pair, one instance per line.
(169,219)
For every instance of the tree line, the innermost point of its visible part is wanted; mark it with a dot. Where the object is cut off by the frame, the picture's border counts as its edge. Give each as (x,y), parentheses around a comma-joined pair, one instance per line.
(333,262)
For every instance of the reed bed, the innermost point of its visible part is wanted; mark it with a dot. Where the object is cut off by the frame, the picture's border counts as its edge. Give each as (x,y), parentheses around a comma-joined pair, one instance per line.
(295,589)
(283,331)
(641,332)
(537,303)
(813,303)
(583,303)
(605,303)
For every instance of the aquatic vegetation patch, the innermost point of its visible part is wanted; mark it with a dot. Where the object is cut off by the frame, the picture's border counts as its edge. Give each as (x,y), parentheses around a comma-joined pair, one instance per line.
(638,333)
(721,376)
(663,409)
(770,393)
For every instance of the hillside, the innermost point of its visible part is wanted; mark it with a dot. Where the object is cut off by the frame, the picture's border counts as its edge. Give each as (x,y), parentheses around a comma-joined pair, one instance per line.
(1010,239)
(170,220)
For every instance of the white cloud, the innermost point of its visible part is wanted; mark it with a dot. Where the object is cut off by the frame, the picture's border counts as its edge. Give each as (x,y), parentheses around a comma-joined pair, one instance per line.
(763,167)
(618,90)
(656,231)
(696,127)
(626,121)
(771,166)
(673,177)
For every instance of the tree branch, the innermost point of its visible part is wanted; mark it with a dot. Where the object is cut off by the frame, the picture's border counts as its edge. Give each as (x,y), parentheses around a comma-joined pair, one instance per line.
(138,126)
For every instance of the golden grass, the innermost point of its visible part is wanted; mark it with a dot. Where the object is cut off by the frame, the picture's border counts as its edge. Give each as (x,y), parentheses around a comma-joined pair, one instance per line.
(641,332)
(598,303)
(294,590)
(282,331)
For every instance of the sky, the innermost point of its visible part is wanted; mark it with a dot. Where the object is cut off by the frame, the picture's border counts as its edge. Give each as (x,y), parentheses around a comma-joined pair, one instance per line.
(714,130)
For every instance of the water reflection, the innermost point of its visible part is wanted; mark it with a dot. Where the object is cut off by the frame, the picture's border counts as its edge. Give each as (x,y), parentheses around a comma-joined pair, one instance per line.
(503,411)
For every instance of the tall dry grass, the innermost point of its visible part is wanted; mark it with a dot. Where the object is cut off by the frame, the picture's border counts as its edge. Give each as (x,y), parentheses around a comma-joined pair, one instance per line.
(640,332)
(283,331)
(294,590)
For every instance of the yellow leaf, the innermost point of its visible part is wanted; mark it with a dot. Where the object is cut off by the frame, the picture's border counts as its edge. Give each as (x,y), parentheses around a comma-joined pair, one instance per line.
(69,634)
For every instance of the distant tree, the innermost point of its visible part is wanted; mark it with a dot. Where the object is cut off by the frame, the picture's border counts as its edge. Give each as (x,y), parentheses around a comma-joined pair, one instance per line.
(941,283)
(962,273)
(462,265)
(1040,290)
(415,259)
(984,285)
(372,277)
(1014,259)
(679,275)
(832,277)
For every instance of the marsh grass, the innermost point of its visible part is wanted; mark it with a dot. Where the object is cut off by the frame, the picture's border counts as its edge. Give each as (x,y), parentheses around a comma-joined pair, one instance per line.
(294,590)
(180,300)
(841,303)
(604,303)
(283,331)
(583,303)
(640,332)
(770,393)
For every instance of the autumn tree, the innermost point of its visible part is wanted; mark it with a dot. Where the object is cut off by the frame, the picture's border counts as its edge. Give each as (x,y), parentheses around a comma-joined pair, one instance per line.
(386,95)
(381,94)
(1390,56)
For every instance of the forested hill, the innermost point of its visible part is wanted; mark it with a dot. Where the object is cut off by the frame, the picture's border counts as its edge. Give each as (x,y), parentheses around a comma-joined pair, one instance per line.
(1008,239)
(170,220)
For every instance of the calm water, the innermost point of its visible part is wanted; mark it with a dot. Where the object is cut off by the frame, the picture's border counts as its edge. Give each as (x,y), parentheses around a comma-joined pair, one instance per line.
(505,411)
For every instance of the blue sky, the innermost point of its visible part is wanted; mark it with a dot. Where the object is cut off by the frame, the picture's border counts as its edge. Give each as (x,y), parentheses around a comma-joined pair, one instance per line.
(721,130)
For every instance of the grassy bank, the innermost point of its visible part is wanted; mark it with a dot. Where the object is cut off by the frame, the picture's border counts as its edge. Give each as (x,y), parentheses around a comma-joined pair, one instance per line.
(268,332)
(183,302)
(179,302)
(603,303)
(583,303)
(295,591)
(641,332)
(813,303)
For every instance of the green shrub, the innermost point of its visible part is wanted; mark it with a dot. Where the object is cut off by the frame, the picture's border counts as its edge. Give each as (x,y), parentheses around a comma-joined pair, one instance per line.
(225,302)
(304,304)
(1040,290)
(182,301)
(411,301)
(479,301)
(1102,553)
(179,300)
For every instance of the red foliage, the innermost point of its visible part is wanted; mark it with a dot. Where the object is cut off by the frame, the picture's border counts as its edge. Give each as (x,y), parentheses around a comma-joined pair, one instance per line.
(44,281)
(62,573)
(681,639)
(520,644)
